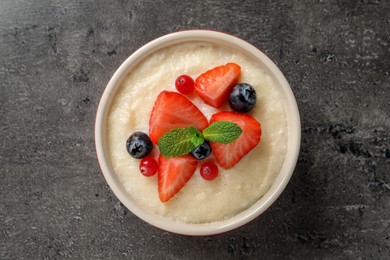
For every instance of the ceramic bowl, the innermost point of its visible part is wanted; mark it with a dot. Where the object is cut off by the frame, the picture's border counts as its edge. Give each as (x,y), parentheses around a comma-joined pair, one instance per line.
(293,125)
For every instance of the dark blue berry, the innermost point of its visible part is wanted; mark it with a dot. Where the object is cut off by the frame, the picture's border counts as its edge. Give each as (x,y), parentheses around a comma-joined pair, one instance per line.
(139,145)
(202,151)
(242,98)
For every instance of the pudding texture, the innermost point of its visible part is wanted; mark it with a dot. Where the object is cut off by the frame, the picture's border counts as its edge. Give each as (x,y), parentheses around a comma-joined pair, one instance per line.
(199,201)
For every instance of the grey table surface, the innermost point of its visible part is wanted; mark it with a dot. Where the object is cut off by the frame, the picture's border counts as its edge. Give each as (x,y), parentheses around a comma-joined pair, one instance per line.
(56,58)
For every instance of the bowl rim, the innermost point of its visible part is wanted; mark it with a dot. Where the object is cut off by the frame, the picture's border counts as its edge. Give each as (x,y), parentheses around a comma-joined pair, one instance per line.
(293,146)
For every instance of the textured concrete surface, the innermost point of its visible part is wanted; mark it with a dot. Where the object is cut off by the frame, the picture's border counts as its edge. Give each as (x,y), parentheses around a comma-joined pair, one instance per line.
(57,56)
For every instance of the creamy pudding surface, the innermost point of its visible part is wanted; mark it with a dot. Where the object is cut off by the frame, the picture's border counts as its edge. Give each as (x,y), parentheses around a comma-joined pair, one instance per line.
(199,201)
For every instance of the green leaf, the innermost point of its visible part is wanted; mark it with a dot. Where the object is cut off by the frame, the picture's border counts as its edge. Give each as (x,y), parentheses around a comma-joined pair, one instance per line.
(197,140)
(222,132)
(179,141)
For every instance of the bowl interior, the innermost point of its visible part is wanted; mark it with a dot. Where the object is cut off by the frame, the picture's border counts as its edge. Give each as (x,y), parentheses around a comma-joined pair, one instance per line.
(293,124)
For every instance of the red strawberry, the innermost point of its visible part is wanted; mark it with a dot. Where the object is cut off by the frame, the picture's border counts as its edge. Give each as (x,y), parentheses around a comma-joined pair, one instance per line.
(214,85)
(228,155)
(172,110)
(173,174)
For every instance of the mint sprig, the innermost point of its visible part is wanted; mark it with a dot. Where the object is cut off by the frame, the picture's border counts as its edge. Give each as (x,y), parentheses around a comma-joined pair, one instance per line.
(181,141)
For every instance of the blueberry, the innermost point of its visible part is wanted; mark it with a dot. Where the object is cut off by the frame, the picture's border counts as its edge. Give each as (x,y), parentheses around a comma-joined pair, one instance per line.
(202,151)
(242,98)
(139,145)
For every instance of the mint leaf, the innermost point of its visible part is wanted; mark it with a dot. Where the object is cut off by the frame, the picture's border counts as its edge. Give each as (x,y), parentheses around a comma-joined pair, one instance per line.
(179,141)
(197,139)
(222,132)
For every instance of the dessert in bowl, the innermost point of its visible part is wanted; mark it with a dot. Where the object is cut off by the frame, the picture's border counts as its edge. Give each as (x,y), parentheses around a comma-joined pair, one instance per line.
(250,176)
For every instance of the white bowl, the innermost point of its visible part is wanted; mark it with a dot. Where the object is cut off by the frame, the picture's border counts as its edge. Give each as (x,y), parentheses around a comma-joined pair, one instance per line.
(293,124)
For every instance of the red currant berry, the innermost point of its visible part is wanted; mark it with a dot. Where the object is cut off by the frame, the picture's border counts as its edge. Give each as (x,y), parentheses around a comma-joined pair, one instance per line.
(148,166)
(209,171)
(185,84)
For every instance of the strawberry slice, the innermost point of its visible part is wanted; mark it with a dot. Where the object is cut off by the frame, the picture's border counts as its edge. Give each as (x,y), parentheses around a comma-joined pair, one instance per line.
(173,174)
(172,110)
(228,155)
(214,85)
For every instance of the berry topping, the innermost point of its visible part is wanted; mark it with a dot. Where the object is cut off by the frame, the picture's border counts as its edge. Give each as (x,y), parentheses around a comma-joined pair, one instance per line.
(148,166)
(185,84)
(214,85)
(202,151)
(139,145)
(242,98)
(209,171)
(228,155)
(173,174)
(172,110)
